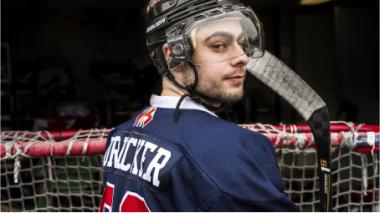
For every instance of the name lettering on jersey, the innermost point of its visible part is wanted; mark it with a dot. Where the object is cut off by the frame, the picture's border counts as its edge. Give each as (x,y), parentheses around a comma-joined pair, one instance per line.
(145,117)
(130,155)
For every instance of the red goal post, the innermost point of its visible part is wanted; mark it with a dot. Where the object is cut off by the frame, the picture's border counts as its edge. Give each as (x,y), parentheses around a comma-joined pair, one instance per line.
(354,162)
(363,138)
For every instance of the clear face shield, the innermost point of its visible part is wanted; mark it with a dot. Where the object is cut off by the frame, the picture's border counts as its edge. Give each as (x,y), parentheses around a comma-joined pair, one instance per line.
(217,36)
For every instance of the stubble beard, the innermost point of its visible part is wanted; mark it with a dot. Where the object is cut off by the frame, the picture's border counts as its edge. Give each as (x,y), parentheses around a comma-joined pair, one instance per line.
(220,94)
(209,88)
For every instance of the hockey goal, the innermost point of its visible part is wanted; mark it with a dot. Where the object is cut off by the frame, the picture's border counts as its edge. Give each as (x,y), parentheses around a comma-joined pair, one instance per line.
(62,171)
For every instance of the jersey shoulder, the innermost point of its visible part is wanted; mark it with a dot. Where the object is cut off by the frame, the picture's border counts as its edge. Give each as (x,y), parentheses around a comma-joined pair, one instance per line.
(236,159)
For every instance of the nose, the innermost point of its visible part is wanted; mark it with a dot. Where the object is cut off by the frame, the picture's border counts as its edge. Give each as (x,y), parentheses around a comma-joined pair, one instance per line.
(241,58)
(240,61)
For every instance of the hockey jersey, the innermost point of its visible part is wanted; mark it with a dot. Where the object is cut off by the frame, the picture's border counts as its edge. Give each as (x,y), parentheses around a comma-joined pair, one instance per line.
(198,163)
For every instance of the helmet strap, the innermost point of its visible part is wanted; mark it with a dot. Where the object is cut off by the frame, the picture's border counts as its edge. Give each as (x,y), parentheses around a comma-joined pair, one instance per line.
(192,93)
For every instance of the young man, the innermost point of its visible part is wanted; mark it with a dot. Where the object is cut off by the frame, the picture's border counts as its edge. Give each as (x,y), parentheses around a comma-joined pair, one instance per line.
(176,154)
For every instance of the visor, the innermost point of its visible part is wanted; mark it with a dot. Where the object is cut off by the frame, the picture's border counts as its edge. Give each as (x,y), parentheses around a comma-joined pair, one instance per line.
(216,36)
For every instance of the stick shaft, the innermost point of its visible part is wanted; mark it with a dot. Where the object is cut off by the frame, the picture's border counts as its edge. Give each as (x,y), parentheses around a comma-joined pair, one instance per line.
(283,80)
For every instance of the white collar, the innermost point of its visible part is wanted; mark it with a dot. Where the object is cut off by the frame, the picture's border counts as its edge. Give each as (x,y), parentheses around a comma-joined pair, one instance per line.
(171,103)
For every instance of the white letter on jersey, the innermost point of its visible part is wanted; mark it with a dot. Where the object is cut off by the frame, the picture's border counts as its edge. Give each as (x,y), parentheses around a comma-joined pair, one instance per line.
(157,166)
(151,147)
(113,156)
(135,165)
(106,155)
(127,142)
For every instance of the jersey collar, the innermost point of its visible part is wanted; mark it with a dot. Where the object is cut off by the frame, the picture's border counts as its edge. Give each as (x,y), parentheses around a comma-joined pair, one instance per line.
(170,102)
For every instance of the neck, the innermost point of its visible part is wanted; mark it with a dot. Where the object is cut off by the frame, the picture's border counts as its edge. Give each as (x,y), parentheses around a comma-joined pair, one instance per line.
(169,89)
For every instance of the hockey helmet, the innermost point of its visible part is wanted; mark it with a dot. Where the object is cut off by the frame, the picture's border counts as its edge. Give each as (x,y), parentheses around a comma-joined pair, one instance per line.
(188,26)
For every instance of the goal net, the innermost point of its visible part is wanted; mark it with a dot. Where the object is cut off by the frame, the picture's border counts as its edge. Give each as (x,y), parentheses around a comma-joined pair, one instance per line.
(62,171)
(51,171)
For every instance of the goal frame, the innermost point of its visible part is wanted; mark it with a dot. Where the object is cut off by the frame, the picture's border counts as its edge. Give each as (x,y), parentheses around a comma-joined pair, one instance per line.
(16,146)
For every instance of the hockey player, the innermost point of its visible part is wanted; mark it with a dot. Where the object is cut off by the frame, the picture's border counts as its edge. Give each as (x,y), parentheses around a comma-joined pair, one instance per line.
(176,154)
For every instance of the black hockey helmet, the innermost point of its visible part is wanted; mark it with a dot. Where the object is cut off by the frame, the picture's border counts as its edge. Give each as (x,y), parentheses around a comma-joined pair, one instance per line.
(176,22)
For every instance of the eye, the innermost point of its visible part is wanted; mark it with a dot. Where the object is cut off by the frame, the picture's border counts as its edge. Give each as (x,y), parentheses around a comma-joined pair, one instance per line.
(219,47)
(243,43)
(218,44)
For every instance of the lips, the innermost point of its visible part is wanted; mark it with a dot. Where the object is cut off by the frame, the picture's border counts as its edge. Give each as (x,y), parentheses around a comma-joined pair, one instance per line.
(236,78)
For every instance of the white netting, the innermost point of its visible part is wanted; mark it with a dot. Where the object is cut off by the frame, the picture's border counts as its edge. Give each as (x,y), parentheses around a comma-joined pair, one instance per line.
(355,179)
(52,184)
(62,171)
(51,171)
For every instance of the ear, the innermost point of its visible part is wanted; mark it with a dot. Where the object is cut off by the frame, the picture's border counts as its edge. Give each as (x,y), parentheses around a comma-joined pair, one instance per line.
(166,52)
(171,63)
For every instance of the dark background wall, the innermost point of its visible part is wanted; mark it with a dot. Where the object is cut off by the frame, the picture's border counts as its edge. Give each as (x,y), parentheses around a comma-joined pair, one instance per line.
(82,64)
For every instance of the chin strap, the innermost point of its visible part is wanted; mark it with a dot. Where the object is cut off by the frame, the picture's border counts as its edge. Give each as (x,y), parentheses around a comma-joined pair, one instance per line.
(177,112)
(191,92)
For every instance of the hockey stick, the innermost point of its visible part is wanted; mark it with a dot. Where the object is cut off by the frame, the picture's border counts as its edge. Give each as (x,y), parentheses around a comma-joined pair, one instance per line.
(283,80)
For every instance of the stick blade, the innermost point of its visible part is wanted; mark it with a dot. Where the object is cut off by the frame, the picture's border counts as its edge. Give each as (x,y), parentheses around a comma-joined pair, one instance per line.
(284,81)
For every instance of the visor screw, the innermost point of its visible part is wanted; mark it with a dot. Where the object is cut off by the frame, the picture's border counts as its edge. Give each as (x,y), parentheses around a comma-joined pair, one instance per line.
(177,49)
(227,6)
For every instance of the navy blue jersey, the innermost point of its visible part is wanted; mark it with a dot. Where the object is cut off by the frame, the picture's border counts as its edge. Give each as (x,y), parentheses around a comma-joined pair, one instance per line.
(199,163)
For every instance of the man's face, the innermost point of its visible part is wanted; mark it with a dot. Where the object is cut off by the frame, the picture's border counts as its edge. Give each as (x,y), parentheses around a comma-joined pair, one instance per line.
(220,60)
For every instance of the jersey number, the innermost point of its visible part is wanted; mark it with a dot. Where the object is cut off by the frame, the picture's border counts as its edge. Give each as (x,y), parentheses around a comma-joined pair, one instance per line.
(131,202)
